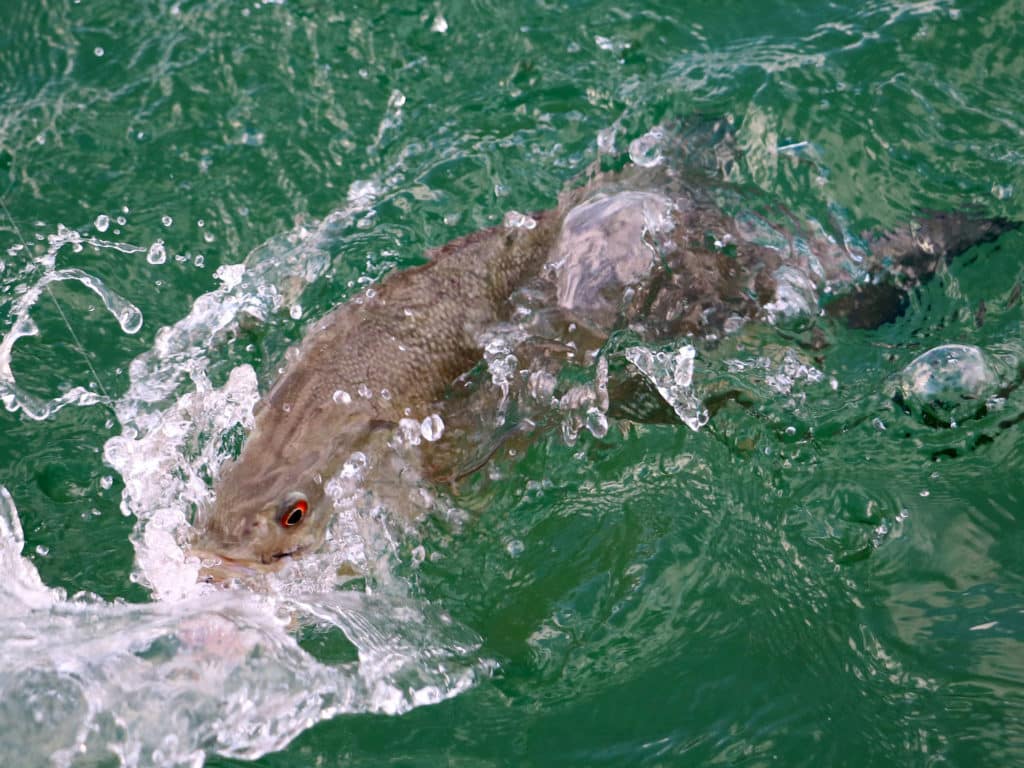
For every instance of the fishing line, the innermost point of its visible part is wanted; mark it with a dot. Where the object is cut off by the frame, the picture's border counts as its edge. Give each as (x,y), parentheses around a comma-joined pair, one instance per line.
(76,343)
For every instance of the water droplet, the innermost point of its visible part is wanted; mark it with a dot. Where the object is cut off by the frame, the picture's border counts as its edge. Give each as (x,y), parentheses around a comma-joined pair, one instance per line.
(98,51)
(1002,191)
(286,407)
(432,428)
(365,392)
(606,140)
(130,320)
(341,397)
(166,220)
(295,311)
(542,385)
(440,24)
(385,393)
(517,220)
(409,429)
(645,151)
(102,222)
(42,551)
(106,482)
(355,466)
(596,422)
(515,548)
(607,44)
(157,254)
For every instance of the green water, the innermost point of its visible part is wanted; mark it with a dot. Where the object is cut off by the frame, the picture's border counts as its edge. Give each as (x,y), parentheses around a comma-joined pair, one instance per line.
(815,578)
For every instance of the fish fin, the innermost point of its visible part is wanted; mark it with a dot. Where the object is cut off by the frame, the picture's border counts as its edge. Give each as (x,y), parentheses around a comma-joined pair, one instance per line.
(917,251)
(910,255)
(869,305)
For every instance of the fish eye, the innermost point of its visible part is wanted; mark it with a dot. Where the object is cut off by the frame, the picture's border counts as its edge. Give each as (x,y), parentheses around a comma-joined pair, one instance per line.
(293,511)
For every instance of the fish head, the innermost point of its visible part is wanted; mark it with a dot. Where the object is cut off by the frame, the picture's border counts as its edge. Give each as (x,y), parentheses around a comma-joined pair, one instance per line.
(261,518)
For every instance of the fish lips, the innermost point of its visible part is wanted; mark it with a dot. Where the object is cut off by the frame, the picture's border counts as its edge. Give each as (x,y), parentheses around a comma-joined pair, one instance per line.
(217,567)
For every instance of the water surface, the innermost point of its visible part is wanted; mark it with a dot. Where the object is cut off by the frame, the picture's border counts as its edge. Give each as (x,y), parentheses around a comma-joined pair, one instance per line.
(827,572)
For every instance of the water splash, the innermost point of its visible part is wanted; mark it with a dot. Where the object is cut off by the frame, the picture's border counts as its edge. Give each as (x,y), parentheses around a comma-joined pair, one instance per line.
(127,315)
(671,373)
(91,682)
(607,247)
(585,406)
(204,669)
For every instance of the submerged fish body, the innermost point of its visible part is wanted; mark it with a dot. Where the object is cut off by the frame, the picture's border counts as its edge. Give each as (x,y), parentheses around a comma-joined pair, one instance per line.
(649,251)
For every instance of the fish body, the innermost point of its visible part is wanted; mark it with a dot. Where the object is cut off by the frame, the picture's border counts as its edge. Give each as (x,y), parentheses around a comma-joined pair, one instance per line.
(648,251)
(387,354)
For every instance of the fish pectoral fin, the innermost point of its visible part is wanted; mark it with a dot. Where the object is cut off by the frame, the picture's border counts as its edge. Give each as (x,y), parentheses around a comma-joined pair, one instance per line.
(452,466)
(869,305)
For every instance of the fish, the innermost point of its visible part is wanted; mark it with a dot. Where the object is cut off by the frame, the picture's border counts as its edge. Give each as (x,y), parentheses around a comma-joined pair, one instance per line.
(654,250)
(387,354)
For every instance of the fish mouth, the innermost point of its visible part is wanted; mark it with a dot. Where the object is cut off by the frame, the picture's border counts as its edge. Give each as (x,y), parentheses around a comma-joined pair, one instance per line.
(278,556)
(216,567)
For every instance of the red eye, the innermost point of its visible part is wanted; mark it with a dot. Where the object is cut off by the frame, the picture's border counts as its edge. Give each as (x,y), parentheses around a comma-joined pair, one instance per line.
(292,514)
